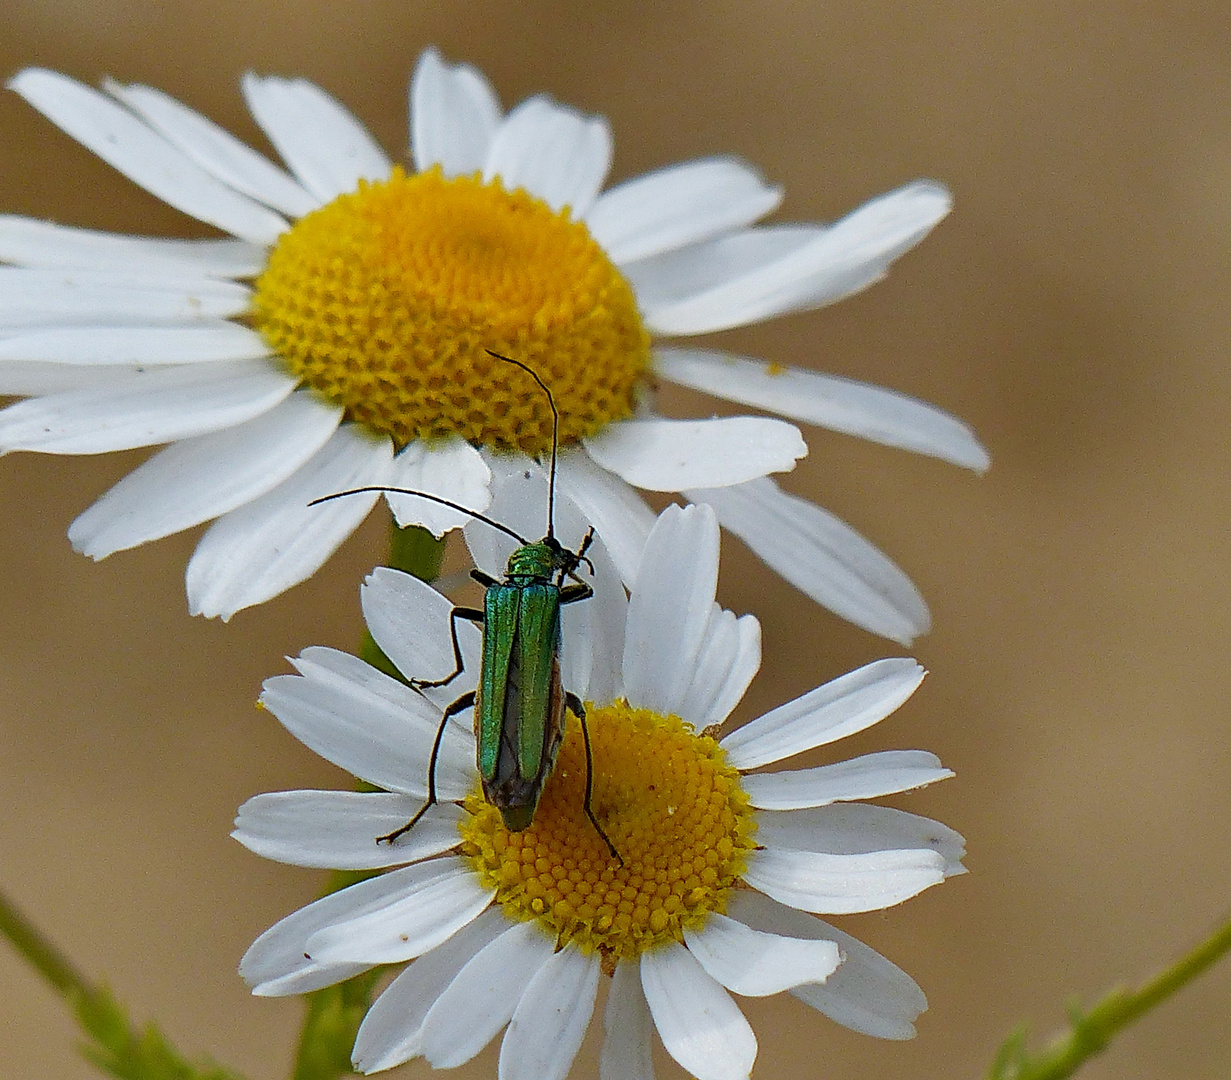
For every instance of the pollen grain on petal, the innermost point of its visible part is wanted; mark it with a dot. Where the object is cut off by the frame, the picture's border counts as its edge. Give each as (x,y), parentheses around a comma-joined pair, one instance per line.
(387,299)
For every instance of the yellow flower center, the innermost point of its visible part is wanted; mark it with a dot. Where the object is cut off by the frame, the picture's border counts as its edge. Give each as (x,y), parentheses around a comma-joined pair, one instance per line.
(385,301)
(670,804)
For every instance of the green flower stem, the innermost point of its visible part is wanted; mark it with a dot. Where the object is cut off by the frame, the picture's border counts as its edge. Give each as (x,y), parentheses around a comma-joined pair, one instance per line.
(1092,1031)
(335,1012)
(43,956)
(115,1046)
(414,550)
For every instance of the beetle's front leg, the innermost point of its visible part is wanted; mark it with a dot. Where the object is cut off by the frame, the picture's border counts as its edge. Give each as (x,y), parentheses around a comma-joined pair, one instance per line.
(570,594)
(471,615)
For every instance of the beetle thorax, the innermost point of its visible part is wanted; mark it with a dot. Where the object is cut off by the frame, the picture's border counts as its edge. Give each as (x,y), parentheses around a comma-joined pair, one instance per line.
(533,562)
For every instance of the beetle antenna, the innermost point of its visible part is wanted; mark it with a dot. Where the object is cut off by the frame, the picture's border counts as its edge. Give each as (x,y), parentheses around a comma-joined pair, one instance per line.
(555,438)
(423,495)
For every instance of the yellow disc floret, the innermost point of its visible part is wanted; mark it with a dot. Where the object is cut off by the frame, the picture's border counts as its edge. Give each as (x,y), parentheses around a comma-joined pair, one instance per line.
(671,806)
(386,300)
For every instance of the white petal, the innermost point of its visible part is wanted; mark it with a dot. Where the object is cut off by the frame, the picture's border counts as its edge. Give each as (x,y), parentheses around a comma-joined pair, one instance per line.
(452,469)
(864,996)
(592,632)
(728,660)
(454,114)
(29,242)
(674,277)
(554,152)
(747,277)
(275,963)
(860,829)
(484,996)
(669,612)
(112,298)
(821,556)
(757,964)
(841,707)
(679,205)
(142,155)
(699,1024)
(671,455)
(307,977)
(627,1027)
(551,1018)
(137,344)
(369,724)
(745,665)
(867,993)
(843,884)
(866,777)
(619,515)
(263,548)
(438,898)
(409,620)
(391,1031)
(34,378)
(520,502)
(324,145)
(719,641)
(519,495)
(856,408)
(197,479)
(158,405)
(340,829)
(216,150)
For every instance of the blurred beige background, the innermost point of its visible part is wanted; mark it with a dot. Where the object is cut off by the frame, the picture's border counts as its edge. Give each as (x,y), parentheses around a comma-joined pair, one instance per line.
(1074,308)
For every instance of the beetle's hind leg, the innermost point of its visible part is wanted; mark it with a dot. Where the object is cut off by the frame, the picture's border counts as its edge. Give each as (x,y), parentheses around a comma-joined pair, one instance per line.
(579,710)
(462,703)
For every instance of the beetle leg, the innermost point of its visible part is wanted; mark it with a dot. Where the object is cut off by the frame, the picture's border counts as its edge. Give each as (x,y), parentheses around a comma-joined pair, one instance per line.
(462,703)
(587,540)
(580,554)
(473,615)
(486,580)
(579,710)
(570,594)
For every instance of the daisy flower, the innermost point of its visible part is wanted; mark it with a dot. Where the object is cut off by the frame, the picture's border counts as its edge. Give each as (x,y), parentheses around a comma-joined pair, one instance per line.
(721,871)
(340,337)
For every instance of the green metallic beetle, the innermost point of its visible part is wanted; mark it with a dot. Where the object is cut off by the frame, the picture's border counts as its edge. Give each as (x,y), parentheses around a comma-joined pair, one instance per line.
(519,702)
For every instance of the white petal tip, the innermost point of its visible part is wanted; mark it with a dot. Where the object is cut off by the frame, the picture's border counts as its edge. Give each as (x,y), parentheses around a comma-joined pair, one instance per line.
(24,77)
(368,1066)
(263,990)
(84,543)
(979,460)
(211,612)
(931,192)
(921,623)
